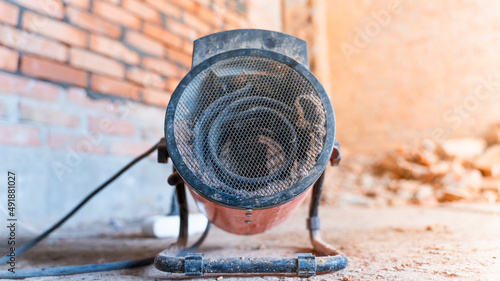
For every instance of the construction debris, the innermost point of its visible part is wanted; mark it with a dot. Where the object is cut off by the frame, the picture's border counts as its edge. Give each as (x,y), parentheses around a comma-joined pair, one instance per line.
(489,161)
(465,148)
(461,169)
(493,134)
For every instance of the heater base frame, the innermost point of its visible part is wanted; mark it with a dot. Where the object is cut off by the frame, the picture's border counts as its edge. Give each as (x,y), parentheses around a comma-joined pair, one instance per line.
(304,265)
(291,52)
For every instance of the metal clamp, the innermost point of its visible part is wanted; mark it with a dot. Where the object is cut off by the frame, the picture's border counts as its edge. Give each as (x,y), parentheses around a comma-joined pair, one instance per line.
(193,265)
(336,155)
(163,151)
(306,265)
(313,223)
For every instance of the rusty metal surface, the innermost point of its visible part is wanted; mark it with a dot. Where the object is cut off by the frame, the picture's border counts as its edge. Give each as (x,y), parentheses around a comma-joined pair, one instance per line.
(233,220)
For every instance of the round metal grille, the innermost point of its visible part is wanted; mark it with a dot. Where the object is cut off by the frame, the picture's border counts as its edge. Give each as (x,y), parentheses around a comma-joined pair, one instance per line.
(250,126)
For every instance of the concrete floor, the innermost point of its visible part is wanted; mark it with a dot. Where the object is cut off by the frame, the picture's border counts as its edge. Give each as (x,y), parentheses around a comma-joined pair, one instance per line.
(405,243)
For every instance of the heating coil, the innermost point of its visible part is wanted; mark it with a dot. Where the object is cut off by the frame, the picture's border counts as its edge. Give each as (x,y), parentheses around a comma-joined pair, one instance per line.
(250,126)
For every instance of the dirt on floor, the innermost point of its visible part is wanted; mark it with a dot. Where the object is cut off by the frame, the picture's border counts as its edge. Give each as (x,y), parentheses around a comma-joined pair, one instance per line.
(446,242)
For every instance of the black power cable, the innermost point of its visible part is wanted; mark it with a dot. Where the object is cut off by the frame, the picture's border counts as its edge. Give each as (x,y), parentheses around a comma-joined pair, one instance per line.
(86,268)
(33,242)
(75,269)
(89,267)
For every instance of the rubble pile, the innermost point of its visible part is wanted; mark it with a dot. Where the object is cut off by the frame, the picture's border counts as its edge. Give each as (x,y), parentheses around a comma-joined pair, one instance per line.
(462,169)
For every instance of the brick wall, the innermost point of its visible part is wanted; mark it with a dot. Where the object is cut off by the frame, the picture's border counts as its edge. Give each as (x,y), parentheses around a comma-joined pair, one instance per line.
(130,49)
(83,88)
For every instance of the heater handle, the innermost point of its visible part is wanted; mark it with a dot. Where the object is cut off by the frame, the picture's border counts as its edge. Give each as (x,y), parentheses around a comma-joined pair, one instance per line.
(303,265)
(163,154)
(336,155)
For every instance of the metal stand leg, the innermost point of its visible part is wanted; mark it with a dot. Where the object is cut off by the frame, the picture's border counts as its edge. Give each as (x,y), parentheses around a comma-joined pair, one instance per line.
(313,224)
(172,260)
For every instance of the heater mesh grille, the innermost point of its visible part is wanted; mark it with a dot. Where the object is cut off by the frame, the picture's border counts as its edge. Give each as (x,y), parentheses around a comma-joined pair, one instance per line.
(250,126)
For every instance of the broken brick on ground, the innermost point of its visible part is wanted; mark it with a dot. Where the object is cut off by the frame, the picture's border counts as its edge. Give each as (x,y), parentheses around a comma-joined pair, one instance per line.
(460,169)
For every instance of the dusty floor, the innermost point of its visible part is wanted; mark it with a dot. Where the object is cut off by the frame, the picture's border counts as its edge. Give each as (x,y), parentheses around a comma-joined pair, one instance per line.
(404,243)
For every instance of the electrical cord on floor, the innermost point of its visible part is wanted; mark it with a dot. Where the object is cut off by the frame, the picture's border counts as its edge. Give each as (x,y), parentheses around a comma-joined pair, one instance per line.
(33,242)
(87,268)
(90,267)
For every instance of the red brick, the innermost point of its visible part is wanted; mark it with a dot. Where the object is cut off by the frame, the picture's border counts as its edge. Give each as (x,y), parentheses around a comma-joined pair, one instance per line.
(83,4)
(85,144)
(9,14)
(182,30)
(80,97)
(54,71)
(116,14)
(92,23)
(131,148)
(163,35)
(52,8)
(208,16)
(8,59)
(13,84)
(116,2)
(142,10)
(180,57)
(54,29)
(233,19)
(96,63)
(194,21)
(144,43)
(166,8)
(38,114)
(29,43)
(115,87)
(19,135)
(146,78)
(114,49)
(187,6)
(172,84)
(187,47)
(160,66)
(155,97)
(103,125)
(205,3)
(232,6)
(182,72)
(230,26)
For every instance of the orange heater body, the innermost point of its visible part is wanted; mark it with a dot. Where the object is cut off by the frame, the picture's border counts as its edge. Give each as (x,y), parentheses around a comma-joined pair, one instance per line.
(249,129)
(248,221)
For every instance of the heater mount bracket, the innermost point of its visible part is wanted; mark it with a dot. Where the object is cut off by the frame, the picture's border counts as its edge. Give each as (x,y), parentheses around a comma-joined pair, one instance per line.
(306,265)
(163,152)
(193,265)
(336,155)
(314,223)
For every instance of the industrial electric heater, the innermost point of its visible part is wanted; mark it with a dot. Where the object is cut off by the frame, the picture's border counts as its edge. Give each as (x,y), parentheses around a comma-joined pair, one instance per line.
(250,130)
